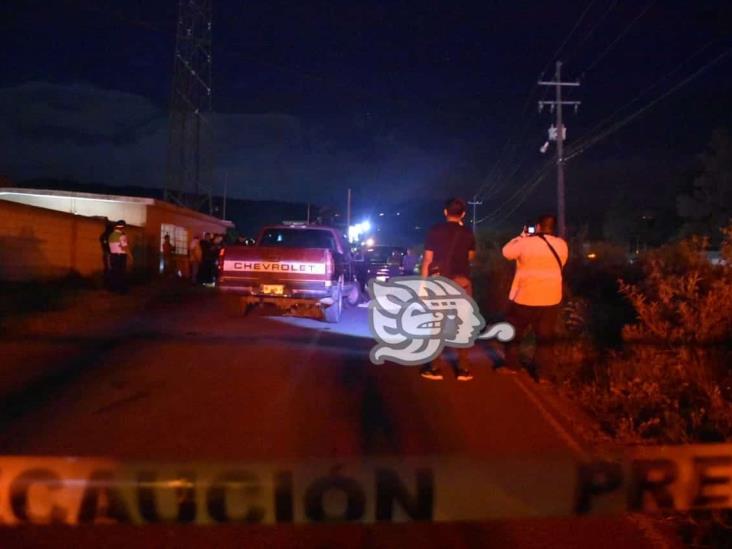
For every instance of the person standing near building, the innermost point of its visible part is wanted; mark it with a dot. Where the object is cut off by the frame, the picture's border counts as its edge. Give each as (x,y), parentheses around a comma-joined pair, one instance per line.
(217,246)
(168,259)
(194,258)
(536,293)
(118,252)
(104,243)
(448,251)
(205,273)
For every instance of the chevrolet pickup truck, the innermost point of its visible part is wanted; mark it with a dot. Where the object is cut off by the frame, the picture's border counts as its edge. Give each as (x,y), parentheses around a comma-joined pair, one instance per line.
(293,266)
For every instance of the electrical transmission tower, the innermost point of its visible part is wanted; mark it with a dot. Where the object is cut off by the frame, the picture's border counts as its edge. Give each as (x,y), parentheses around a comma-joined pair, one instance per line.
(559,134)
(190,148)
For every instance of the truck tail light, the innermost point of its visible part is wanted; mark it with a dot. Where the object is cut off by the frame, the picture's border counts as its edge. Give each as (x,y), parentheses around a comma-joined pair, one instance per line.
(329,265)
(222,254)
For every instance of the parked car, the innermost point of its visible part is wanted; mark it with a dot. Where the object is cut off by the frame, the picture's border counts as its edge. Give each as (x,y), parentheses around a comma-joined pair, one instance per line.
(380,263)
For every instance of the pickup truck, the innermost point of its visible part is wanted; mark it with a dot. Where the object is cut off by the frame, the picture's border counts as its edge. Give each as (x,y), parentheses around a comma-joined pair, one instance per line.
(293,266)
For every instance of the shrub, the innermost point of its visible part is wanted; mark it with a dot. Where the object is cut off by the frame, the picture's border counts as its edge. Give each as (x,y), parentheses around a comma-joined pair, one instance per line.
(683,298)
(652,394)
(670,381)
(593,292)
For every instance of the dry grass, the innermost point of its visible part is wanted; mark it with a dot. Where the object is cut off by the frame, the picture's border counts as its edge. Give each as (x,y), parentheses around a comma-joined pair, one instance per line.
(683,299)
(669,381)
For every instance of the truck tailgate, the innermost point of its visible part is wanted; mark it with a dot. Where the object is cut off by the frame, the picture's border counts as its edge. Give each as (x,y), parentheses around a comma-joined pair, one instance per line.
(289,270)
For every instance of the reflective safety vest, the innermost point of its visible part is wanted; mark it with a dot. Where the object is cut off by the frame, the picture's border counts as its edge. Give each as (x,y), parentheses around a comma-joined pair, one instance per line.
(538,278)
(118,242)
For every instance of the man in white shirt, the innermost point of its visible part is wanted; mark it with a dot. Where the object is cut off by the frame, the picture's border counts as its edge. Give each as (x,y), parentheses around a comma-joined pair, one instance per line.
(536,292)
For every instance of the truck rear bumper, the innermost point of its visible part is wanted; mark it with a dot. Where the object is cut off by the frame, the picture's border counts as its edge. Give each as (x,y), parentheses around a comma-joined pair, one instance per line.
(286,302)
(312,293)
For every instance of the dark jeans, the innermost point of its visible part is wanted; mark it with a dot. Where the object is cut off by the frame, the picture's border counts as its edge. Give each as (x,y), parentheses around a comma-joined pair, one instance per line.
(106,267)
(117,272)
(461,352)
(543,321)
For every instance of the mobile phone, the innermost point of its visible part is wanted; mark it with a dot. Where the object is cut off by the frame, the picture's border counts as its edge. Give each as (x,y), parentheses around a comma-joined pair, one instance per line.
(531,229)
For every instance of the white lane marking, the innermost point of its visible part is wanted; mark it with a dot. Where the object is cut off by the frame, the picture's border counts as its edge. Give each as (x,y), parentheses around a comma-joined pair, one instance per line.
(558,427)
(644,524)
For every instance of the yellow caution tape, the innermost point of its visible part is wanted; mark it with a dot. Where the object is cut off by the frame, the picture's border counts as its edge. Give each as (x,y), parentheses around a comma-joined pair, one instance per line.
(51,490)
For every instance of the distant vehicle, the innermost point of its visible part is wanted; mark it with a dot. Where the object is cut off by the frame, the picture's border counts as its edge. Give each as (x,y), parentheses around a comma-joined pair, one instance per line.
(381,263)
(292,266)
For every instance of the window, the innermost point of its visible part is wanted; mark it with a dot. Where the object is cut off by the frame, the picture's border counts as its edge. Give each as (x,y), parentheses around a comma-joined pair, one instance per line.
(298,238)
(178,238)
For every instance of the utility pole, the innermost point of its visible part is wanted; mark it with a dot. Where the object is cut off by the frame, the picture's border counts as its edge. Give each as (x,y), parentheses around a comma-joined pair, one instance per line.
(475,203)
(561,134)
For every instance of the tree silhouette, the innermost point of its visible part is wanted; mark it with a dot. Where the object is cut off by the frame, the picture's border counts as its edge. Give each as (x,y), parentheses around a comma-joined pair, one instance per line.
(707,205)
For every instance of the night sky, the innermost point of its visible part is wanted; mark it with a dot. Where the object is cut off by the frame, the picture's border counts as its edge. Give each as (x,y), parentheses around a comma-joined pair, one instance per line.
(402,101)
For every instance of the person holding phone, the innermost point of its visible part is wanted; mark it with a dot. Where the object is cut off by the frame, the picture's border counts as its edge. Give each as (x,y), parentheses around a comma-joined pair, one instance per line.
(536,293)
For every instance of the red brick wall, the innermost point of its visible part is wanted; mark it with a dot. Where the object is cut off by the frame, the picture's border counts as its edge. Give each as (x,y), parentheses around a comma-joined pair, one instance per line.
(36,243)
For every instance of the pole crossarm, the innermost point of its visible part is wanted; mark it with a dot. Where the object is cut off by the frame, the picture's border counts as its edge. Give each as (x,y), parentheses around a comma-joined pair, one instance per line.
(542,103)
(545,83)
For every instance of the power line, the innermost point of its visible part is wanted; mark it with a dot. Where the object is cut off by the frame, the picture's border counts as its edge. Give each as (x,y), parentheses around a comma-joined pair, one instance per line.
(499,215)
(508,213)
(520,193)
(611,6)
(590,32)
(611,116)
(589,142)
(569,36)
(620,36)
(491,181)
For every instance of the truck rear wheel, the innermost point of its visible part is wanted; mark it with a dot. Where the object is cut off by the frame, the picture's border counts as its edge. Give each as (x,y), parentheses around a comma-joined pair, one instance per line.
(333,312)
(354,296)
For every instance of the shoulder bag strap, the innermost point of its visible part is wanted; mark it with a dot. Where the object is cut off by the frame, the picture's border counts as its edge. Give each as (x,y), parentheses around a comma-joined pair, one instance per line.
(554,252)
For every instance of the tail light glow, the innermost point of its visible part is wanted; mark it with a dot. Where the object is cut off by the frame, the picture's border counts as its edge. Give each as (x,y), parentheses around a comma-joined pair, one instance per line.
(222,254)
(329,265)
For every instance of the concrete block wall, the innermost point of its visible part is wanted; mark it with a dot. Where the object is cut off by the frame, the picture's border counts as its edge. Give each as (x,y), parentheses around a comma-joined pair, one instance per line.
(36,243)
(195,223)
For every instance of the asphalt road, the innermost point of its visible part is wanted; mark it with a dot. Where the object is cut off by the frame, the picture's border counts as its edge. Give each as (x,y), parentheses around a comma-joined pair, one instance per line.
(185,381)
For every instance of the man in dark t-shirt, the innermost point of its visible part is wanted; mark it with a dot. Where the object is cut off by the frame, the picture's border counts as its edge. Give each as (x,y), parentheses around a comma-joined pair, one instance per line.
(448,251)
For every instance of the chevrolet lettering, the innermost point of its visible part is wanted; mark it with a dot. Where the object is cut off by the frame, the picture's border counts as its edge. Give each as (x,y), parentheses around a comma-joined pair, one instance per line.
(272,266)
